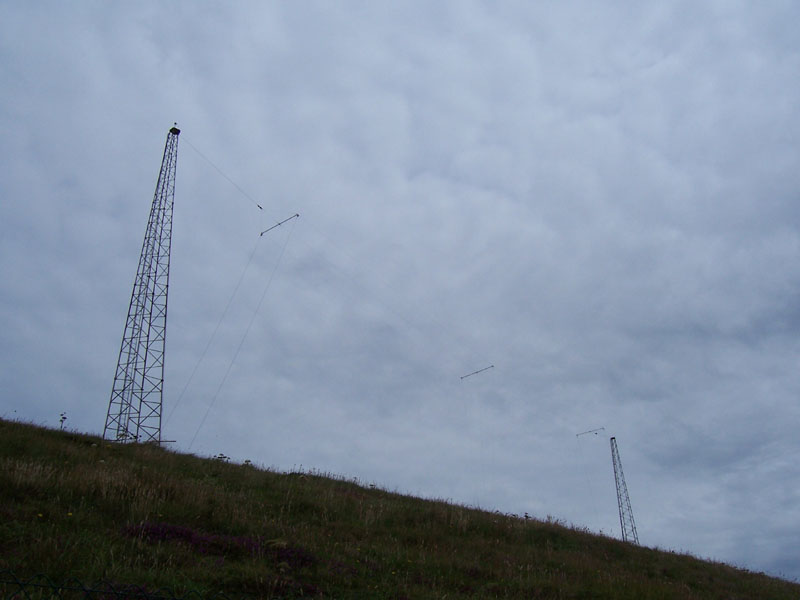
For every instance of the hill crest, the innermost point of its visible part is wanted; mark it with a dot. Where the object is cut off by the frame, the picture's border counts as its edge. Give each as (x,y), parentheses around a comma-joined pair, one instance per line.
(75,506)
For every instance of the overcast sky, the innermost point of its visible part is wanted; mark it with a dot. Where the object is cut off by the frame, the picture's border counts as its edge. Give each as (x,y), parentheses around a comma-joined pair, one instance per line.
(599,199)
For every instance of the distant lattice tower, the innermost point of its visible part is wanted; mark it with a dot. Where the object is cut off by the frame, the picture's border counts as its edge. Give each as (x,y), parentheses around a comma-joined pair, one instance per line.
(626,522)
(134,411)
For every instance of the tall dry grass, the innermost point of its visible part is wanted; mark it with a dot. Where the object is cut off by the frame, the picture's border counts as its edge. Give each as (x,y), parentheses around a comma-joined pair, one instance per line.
(72,505)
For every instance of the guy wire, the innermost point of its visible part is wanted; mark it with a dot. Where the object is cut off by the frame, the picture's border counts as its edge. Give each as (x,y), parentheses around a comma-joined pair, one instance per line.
(422,325)
(213,334)
(221,172)
(244,337)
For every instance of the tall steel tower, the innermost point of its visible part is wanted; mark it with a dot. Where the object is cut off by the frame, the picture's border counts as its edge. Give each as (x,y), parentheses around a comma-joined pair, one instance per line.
(134,411)
(623,500)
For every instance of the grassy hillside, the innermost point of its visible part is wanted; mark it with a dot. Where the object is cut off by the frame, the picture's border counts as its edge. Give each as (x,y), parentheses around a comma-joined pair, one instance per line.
(72,505)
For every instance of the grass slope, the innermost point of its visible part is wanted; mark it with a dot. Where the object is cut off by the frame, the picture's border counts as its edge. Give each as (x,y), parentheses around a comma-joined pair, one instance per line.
(72,505)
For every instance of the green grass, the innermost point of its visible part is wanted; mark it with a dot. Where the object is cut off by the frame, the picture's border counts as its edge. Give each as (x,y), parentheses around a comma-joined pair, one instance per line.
(72,505)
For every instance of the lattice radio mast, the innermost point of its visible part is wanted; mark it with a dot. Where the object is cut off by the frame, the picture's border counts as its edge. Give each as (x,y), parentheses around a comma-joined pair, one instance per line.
(134,411)
(626,522)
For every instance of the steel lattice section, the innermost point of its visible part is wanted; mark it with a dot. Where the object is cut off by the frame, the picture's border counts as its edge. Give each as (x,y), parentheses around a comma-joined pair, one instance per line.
(134,410)
(626,521)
